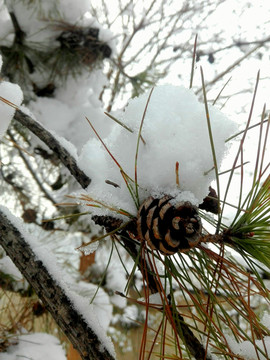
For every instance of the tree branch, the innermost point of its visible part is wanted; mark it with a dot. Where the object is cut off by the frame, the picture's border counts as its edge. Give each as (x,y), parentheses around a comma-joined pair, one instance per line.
(185,333)
(65,157)
(53,296)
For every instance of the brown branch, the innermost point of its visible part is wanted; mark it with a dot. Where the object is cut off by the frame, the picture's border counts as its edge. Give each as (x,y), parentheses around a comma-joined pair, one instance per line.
(53,296)
(65,157)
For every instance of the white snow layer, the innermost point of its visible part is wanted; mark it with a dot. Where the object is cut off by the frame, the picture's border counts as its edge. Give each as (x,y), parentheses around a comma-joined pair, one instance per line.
(13,94)
(38,346)
(93,314)
(174,130)
(247,350)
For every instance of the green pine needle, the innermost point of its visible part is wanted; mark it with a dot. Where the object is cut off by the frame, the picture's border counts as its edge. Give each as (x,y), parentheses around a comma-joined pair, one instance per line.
(251,231)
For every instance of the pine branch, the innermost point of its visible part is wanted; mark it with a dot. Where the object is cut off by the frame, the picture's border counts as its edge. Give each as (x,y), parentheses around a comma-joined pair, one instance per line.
(53,296)
(65,157)
(194,346)
(185,333)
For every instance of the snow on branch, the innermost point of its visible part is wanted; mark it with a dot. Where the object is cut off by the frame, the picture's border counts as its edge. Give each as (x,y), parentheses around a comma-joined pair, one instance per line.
(84,331)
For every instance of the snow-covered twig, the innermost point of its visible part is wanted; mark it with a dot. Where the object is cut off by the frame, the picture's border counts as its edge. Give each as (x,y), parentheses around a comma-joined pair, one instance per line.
(54,297)
(44,135)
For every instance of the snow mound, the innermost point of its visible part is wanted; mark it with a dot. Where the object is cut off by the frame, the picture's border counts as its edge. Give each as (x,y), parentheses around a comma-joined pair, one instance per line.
(174,130)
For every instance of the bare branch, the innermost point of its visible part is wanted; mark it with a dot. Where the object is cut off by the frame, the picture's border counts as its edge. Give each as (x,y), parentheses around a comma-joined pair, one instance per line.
(65,157)
(32,172)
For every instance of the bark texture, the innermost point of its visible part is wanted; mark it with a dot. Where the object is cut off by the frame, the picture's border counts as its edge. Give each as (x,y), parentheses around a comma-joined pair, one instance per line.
(64,156)
(82,337)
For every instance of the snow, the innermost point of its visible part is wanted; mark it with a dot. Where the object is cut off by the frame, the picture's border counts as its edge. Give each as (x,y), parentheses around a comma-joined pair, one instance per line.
(174,130)
(65,113)
(38,346)
(89,312)
(248,350)
(7,267)
(13,94)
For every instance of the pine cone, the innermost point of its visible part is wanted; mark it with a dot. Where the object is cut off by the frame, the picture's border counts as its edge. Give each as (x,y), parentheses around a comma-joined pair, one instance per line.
(168,228)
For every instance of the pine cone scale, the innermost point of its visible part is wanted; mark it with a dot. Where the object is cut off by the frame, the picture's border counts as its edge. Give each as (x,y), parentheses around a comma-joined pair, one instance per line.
(168,228)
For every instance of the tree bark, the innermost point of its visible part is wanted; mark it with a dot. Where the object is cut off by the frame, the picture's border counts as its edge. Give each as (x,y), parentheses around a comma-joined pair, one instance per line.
(53,296)
(64,156)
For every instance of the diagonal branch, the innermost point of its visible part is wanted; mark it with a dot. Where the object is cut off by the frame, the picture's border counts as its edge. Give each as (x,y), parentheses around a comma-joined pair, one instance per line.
(44,135)
(51,292)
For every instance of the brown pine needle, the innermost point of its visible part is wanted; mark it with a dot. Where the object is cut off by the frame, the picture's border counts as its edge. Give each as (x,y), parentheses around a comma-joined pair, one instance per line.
(19,147)
(124,175)
(118,122)
(66,204)
(9,103)
(177,174)
(102,142)
(122,124)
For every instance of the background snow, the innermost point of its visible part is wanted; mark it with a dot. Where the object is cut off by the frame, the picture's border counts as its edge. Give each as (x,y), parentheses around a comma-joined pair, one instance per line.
(73,101)
(38,346)
(248,351)
(174,129)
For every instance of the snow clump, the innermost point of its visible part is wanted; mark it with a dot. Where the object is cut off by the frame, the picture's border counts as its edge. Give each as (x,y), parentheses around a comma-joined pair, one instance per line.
(174,130)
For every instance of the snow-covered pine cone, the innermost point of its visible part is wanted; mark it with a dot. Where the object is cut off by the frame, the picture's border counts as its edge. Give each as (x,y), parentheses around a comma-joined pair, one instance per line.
(168,228)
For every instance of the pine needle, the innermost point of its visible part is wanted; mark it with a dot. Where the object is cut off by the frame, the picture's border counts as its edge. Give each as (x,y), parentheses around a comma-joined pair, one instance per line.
(193,61)
(137,147)
(212,144)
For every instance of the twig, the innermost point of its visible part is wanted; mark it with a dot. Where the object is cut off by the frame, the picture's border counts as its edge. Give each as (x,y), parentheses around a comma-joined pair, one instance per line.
(229,68)
(32,172)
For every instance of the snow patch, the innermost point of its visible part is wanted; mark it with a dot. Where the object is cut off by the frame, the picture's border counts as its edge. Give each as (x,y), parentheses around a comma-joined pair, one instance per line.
(38,346)
(174,130)
(248,350)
